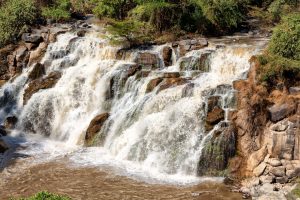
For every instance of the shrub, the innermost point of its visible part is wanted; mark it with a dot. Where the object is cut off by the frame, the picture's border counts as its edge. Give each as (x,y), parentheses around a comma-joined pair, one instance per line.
(60,11)
(46,196)
(14,16)
(134,32)
(285,41)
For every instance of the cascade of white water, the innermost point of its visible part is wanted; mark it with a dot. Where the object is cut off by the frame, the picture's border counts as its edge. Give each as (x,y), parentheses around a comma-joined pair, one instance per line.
(160,130)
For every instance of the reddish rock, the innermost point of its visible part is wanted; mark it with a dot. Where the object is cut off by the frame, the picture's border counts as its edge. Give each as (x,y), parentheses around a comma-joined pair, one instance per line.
(167,55)
(94,128)
(214,117)
(171,75)
(147,60)
(37,72)
(212,102)
(153,83)
(39,84)
(172,82)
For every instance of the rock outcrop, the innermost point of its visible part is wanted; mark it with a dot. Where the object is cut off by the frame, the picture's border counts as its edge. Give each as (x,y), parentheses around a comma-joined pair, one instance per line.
(94,128)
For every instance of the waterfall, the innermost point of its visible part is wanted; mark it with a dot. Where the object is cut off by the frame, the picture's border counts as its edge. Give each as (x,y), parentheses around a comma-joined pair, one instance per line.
(161,130)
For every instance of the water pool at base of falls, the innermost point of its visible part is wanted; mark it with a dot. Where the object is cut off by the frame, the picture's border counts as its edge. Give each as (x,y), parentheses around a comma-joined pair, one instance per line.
(155,136)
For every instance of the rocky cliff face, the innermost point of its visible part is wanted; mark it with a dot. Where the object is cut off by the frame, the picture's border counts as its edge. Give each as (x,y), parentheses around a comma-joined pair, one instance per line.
(267,121)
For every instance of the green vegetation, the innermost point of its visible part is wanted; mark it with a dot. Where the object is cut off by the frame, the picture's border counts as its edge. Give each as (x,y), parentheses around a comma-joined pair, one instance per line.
(60,11)
(281,62)
(14,16)
(45,196)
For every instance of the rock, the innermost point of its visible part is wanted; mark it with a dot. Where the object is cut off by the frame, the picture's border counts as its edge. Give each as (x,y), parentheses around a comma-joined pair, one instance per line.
(214,117)
(37,55)
(217,151)
(147,60)
(278,171)
(279,127)
(31,46)
(3,146)
(256,158)
(282,180)
(37,72)
(167,56)
(32,38)
(274,162)
(282,144)
(94,127)
(279,112)
(291,173)
(259,170)
(10,122)
(189,45)
(21,53)
(153,83)
(39,84)
(267,179)
(2,131)
(200,63)
(81,33)
(213,101)
(142,74)
(171,75)
(171,82)
(294,90)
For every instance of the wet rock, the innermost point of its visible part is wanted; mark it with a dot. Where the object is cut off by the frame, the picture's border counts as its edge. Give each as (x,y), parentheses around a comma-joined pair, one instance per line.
(81,33)
(3,146)
(188,90)
(148,60)
(200,63)
(294,90)
(32,38)
(171,75)
(189,45)
(39,84)
(274,162)
(2,131)
(278,171)
(21,53)
(153,83)
(259,170)
(37,72)
(171,82)
(279,112)
(94,128)
(213,101)
(132,70)
(142,74)
(10,122)
(214,117)
(167,56)
(218,150)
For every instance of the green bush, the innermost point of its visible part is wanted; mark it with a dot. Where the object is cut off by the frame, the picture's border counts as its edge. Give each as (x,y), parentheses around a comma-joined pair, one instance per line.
(45,196)
(285,41)
(14,16)
(60,11)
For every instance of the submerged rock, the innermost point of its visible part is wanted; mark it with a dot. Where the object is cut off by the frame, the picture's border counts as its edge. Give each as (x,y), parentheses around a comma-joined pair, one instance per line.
(94,128)
(153,83)
(37,72)
(167,55)
(10,122)
(3,146)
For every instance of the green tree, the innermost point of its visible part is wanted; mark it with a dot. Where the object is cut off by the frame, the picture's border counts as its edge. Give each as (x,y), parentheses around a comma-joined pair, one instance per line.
(14,16)
(59,11)
(285,41)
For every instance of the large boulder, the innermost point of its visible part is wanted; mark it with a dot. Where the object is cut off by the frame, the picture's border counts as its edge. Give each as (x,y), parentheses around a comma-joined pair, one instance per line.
(213,117)
(94,128)
(167,55)
(280,111)
(39,84)
(199,63)
(153,83)
(147,60)
(172,82)
(189,45)
(37,72)
(217,151)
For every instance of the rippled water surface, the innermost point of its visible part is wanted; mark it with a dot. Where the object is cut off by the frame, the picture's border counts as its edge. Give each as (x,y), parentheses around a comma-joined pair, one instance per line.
(94,183)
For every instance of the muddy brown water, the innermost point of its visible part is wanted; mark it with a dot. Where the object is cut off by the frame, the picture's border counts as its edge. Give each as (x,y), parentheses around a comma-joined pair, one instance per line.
(91,183)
